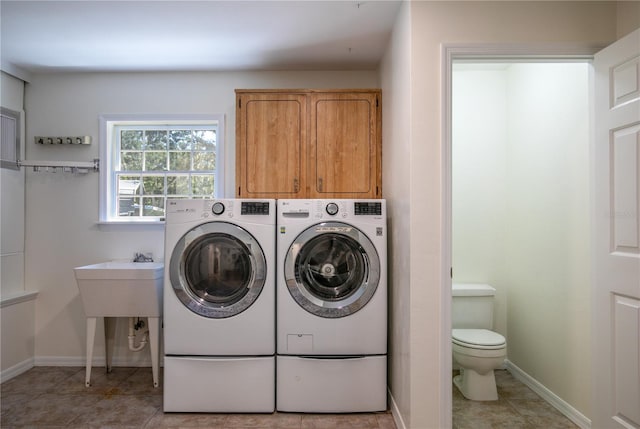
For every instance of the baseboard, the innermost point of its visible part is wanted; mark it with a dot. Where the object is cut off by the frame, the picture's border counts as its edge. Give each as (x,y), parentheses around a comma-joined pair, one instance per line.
(558,403)
(98,361)
(16,370)
(395,412)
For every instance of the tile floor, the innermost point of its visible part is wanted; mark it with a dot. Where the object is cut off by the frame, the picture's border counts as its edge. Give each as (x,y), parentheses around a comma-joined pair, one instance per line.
(55,397)
(517,407)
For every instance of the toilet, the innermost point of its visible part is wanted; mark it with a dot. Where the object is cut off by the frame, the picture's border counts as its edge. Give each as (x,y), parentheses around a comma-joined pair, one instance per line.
(477,349)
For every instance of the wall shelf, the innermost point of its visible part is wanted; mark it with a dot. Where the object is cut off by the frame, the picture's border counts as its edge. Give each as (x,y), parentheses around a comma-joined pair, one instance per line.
(80,167)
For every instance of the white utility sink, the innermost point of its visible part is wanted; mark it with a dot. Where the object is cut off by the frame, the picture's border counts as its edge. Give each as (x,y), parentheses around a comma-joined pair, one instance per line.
(121,289)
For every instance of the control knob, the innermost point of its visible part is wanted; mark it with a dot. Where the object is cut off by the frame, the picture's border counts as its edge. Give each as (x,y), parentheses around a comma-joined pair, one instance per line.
(332,209)
(217,208)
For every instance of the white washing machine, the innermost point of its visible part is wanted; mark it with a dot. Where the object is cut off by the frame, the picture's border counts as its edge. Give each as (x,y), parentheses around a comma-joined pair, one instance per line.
(219,306)
(331,306)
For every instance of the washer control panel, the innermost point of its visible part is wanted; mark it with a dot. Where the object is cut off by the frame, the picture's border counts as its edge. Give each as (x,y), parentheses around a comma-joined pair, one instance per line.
(218,208)
(247,208)
(184,210)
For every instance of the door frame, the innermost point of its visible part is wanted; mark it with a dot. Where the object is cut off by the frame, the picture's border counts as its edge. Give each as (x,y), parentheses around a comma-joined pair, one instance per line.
(479,52)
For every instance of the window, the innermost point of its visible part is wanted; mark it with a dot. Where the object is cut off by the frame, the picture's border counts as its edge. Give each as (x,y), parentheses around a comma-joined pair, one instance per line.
(145,160)
(9,138)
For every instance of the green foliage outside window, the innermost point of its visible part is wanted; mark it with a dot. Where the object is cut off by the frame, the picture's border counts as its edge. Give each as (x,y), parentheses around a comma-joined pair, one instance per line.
(156,163)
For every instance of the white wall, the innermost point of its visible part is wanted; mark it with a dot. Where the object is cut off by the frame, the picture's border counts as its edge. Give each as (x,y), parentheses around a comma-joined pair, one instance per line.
(62,209)
(479,184)
(548,247)
(521,212)
(17,318)
(432,24)
(396,153)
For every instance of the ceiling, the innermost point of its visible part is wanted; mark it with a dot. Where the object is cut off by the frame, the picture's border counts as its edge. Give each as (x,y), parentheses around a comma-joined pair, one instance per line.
(180,35)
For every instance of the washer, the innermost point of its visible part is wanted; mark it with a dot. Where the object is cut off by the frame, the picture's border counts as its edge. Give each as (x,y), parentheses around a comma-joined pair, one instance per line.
(219,306)
(332,306)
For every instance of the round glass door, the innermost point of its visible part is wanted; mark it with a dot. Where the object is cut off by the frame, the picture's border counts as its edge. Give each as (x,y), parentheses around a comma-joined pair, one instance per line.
(332,269)
(217,270)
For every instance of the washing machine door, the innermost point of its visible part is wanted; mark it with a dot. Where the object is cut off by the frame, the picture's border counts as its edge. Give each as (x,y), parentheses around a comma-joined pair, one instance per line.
(332,269)
(217,270)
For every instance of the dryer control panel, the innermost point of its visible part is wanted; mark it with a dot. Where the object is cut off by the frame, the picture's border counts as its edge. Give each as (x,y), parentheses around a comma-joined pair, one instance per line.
(301,210)
(347,208)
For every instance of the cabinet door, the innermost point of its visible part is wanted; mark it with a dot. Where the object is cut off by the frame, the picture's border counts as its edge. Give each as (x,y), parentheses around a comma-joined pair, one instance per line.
(345,145)
(271,140)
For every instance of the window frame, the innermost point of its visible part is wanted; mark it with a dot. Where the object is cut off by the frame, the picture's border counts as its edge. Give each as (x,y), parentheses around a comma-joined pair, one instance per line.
(108,156)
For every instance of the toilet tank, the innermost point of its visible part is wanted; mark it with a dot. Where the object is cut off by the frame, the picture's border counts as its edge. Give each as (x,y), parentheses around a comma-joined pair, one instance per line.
(472,305)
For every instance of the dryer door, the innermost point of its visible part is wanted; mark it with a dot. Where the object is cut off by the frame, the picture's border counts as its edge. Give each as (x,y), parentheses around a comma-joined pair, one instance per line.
(332,269)
(217,270)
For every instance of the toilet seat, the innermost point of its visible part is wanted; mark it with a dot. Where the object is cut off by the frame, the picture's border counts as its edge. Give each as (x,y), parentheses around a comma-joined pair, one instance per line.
(481,339)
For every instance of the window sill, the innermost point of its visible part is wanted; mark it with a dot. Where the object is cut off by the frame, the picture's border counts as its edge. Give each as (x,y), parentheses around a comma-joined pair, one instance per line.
(127,225)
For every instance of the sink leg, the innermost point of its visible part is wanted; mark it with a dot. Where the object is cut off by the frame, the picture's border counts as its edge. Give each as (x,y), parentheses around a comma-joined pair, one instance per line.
(109,339)
(154,346)
(91,335)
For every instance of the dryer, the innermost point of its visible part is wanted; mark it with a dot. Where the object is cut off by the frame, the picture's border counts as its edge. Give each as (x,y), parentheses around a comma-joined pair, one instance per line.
(219,305)
(331,306)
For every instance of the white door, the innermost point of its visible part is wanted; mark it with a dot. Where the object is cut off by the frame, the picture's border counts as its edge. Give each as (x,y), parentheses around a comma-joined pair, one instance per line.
(616,239)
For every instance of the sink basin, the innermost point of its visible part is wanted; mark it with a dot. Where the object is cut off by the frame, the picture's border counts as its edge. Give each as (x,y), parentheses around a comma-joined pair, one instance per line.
(121,289)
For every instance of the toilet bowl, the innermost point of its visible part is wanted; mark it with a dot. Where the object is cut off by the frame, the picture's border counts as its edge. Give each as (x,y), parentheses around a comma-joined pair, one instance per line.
(478,352)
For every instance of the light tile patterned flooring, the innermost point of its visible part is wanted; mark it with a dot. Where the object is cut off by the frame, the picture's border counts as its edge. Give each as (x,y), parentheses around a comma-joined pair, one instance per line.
(517,407)
(55,397)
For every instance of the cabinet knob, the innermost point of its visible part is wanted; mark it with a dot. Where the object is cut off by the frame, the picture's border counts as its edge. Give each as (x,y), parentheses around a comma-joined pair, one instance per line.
(296,185)
(319,184)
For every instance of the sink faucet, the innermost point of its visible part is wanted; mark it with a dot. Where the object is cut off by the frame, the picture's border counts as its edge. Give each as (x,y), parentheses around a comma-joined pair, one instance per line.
(141,257)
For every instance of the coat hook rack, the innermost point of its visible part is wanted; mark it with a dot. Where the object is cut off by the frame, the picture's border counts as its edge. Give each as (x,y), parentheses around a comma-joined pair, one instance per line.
(78,167)
(66,140)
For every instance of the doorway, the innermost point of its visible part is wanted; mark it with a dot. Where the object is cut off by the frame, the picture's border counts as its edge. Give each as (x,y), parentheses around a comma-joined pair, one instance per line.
(520,213)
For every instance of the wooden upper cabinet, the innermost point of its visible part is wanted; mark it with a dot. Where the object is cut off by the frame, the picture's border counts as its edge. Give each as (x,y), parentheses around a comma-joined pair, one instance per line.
(271,134)
(344,145)
(308,144)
